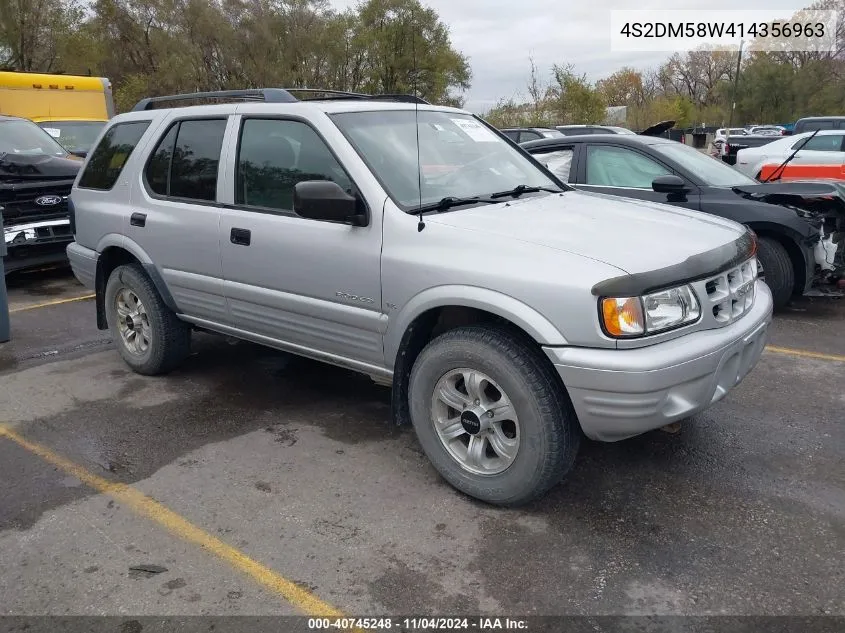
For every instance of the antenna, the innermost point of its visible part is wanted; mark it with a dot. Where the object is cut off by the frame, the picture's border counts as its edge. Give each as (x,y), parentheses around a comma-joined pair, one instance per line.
(421,224)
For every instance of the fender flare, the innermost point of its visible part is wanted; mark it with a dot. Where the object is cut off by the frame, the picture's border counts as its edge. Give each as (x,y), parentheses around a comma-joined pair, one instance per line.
(113,240)
(520,314)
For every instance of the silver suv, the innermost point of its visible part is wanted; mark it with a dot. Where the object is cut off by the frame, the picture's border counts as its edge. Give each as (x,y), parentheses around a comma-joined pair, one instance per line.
(414,243)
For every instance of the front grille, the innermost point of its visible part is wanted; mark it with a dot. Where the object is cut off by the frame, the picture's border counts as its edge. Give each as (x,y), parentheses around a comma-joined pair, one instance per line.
(18,201)
(730,294)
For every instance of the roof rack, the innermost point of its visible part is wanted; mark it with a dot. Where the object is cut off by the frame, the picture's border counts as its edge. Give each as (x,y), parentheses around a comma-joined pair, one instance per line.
(275,95)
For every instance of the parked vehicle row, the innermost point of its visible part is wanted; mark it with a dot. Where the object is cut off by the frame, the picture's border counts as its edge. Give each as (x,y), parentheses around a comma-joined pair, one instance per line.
(794,226)
(510,312)
(72,109)
(808,156)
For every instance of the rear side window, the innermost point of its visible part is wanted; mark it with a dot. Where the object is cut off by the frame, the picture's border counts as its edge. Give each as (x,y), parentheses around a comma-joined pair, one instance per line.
(184,163)
(558,162)
(111,154)
(528,136)
(826,143)
(811,126)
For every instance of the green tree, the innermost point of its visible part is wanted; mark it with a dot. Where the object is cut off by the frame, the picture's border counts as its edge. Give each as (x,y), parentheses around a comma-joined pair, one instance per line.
(573,99)
(32,33)
(406,49)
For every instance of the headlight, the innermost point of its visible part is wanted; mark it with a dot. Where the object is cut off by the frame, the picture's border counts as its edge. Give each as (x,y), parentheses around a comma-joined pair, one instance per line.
(636,316)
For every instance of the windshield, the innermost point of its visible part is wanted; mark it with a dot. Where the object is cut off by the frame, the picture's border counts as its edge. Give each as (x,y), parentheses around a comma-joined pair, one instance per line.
(74,136)
(24,137)
(711,172)
(458,156)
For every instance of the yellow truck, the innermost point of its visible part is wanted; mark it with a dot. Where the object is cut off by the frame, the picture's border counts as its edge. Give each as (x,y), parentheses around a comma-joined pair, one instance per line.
(72,109)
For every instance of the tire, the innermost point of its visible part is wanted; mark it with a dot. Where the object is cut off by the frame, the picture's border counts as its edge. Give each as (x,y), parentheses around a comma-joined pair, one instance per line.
(168,338)
(543,428)
(778,272)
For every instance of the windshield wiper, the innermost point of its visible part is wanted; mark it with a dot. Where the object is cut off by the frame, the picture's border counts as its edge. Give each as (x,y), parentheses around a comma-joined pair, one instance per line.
(449,202)
(779,171)
(521,189)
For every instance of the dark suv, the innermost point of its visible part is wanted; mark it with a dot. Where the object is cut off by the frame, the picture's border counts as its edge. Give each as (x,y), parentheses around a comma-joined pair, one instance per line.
(36,175)
(810,123)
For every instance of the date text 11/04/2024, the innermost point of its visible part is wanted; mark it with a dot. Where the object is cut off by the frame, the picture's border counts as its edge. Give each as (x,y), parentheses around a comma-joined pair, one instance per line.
(482,624)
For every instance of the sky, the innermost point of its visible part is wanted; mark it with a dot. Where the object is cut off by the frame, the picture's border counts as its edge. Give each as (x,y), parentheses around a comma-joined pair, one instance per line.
(498,36)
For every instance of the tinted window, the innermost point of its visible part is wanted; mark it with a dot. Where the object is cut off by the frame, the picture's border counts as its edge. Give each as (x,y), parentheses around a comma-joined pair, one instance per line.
(112,152)
(810,126)
(274,155)
(619,167)
(528,136)
(512,135)
(158,168)
(826,143)
(558,162)
(193,168)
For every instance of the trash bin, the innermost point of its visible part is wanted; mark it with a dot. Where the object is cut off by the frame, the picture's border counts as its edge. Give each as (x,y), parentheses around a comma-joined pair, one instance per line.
(5,334)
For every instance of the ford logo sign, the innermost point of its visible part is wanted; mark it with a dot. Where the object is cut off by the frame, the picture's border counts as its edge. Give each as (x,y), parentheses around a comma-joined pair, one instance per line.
(48,201)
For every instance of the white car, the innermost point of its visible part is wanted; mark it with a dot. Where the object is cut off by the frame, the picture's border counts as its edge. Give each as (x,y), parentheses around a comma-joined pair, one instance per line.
(721,134)
(767,130)
(826,148)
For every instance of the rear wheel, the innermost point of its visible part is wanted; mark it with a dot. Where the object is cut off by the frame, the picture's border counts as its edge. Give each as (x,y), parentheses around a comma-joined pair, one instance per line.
(491,415)
(776,270)
(148,335)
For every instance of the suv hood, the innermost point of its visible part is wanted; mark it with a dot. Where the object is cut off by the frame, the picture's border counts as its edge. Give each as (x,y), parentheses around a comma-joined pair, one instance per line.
(632,235)
(26,167)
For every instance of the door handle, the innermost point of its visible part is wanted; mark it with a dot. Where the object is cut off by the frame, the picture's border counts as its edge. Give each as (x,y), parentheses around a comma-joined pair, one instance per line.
(241,237)
(138,219)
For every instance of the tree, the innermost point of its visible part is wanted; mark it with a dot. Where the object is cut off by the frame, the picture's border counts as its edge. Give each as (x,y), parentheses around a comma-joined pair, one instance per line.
(622,88)
(407,49)
(574,99)
(32,33)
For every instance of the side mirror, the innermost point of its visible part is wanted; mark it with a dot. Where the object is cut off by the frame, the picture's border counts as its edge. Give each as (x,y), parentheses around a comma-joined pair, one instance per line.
(325,200)
(669,184)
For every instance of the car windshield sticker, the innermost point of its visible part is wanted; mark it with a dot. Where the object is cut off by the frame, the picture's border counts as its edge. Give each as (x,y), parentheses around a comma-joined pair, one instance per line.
(53,131)
(476,131)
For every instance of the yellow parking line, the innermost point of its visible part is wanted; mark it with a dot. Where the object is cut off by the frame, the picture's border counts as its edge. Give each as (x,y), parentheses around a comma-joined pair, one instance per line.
(801,353)
(303,600)
(47,304)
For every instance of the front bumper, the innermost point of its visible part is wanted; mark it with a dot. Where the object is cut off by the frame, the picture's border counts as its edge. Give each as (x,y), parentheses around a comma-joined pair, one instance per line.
(622,393)
(35,244)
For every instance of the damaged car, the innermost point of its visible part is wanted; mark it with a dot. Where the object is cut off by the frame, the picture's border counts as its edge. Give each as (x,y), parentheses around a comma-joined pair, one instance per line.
(36,175)
(799,224)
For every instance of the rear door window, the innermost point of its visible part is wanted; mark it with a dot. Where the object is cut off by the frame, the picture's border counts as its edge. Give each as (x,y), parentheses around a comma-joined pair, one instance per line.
(185,161)
(110,155)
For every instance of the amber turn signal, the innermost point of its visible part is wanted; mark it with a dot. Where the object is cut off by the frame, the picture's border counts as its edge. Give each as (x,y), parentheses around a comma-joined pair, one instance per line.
(623,316)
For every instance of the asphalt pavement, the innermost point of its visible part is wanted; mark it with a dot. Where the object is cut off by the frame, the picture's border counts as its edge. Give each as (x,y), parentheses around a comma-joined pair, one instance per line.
(253,482)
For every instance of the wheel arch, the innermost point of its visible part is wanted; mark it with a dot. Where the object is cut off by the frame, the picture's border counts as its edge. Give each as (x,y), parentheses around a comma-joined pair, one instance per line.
(791,242)
(447,307)
(117,250)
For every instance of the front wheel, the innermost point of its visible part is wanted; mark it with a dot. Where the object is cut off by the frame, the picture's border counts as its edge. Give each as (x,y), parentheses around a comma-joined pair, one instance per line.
(149,336)
(776,270)
(491,415)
